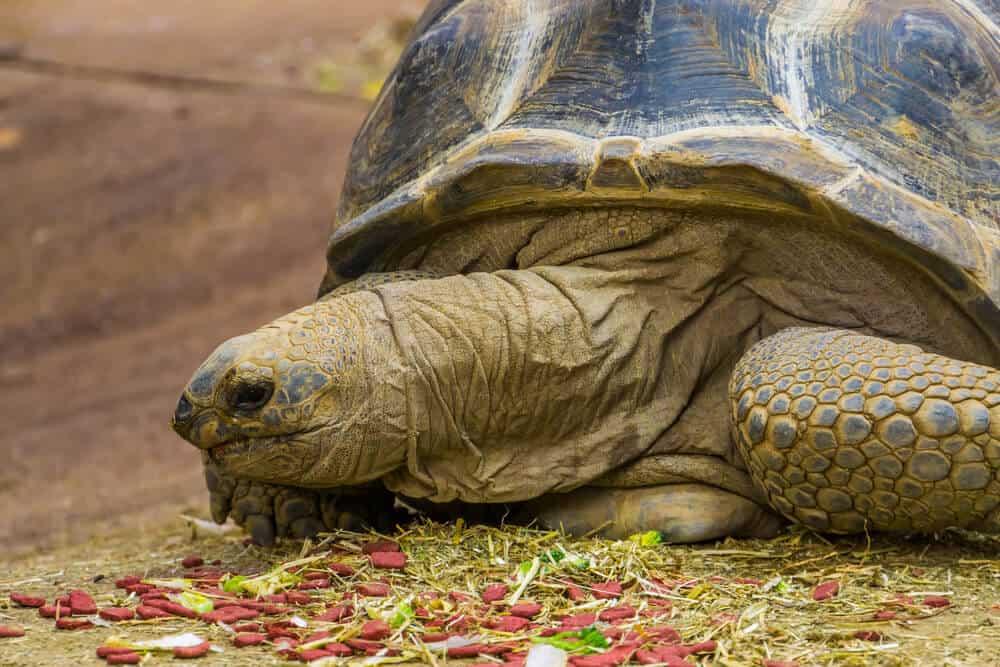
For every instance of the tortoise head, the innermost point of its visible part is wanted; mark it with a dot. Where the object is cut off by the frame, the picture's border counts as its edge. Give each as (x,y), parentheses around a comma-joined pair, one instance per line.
(294,401)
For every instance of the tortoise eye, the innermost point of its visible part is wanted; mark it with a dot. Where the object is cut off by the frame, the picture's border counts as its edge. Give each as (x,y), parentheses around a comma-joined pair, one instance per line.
(250,395)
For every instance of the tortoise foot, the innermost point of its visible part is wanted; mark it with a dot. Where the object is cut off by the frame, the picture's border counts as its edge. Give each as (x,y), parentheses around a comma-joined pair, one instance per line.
(269,511)
(682,513)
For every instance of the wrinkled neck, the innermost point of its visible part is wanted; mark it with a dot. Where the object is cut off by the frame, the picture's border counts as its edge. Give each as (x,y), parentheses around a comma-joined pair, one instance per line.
(519,382)
(363,432)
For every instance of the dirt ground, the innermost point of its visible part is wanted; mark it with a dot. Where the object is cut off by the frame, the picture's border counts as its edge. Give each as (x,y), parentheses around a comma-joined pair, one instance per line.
(168,173)
(754,598)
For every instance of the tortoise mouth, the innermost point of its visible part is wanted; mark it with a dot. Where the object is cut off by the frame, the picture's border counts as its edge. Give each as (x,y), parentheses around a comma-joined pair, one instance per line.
(241,446)
(244,446)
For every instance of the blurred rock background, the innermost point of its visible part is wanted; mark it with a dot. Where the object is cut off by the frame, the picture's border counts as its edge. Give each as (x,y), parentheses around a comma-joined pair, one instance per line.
(168,175)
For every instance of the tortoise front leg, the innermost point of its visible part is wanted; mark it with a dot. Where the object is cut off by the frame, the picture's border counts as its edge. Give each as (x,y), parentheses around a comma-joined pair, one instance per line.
(845,432)
(269,511)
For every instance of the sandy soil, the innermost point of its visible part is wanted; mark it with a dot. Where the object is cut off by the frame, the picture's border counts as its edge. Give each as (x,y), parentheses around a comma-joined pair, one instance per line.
(144,220)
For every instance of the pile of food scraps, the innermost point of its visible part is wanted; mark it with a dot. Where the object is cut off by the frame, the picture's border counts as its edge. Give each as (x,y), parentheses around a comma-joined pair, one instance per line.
(439,594)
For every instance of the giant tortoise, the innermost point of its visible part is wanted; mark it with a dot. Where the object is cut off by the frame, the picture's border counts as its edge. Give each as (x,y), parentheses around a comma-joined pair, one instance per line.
(698,266)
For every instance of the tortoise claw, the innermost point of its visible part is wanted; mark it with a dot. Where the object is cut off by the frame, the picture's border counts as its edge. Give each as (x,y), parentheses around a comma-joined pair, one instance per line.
(220,493)
(261,529)
(270,512)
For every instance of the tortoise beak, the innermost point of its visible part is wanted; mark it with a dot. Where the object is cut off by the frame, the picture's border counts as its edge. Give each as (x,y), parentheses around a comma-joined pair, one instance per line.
(202,428)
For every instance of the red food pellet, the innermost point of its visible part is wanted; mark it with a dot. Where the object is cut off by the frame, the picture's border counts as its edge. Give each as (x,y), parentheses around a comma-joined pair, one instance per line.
(131,658)
(748,582)
(432,637)
(314,584)
(82,603)
(196,651)
(467,651)
(67,623)
(389,560)
(125,582)
(273,609)
(575,593)
(364,646)
(313,576)
(105,651)
(146,612)
(826,590)
(616,613)
(247,627)
(579,620)
(249,639)
(936,601)
(244,604)
(11,631)
(701,647)
(666,655)
(495,592)
(373,590)
(342,569)
(62,601)
(230,615)
(314,654)
(26,600)
(868,635)
(193,561)
(294,597)
(511,624)
(322,634)
(526,609)
(138,589)
(375,630)
(380,546)
(117,614)
(885,615)
(174,608)
(339,650)
(281,633)
(608,590)
(664,633)
(280,597)
(51,611)
(338,613)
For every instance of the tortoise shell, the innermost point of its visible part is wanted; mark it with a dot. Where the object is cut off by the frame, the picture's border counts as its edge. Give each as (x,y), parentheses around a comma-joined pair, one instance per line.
(880,118)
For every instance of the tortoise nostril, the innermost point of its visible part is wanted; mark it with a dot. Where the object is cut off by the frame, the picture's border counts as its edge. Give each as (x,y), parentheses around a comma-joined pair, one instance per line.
(184,410)
(251,394)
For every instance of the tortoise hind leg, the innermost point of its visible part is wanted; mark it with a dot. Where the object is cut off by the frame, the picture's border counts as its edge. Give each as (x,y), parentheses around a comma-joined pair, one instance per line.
(846,432)
(681,512)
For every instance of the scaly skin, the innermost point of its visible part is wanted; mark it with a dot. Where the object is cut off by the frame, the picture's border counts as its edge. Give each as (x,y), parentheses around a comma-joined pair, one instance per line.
(845,432)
